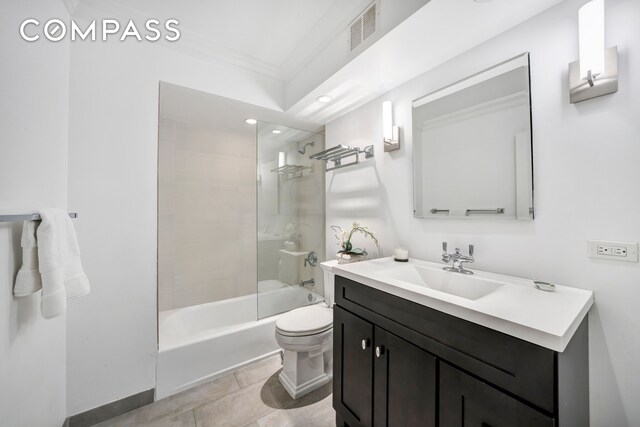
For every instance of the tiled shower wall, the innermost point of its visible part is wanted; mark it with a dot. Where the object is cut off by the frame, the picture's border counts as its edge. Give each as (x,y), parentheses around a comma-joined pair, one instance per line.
(206,215)
(298,201)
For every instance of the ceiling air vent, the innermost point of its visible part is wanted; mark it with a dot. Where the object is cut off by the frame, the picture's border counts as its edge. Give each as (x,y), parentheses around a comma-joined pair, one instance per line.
(362,27)
(355,34)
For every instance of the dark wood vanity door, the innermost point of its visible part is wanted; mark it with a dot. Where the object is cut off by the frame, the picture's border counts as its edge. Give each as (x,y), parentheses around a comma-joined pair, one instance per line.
(404,383)
(353,368)
(468,402)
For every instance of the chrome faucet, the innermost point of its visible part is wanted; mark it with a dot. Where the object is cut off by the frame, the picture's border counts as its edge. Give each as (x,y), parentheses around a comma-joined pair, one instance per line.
(310,282)
(457,258)
(312,259)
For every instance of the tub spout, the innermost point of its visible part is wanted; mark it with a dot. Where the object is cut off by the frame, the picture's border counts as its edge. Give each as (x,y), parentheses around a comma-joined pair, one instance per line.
(310,282)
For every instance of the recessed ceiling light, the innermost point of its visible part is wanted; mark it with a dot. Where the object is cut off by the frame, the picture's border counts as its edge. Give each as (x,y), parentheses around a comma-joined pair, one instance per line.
(324,99)
(250,121)
(276,131)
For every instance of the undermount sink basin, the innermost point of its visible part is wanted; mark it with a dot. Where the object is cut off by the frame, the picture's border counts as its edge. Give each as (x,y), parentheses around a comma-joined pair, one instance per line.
(457,284)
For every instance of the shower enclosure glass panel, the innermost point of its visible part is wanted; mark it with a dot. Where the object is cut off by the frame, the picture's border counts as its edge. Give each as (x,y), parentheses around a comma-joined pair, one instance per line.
(291,218)
(206,208)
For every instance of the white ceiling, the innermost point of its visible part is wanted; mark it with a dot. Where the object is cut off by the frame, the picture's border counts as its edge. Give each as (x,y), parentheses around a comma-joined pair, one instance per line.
(293,42)
(266,29)
(272,38)
(436,33)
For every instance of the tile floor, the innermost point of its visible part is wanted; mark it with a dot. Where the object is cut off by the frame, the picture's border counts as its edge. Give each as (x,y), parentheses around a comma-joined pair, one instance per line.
(249,397)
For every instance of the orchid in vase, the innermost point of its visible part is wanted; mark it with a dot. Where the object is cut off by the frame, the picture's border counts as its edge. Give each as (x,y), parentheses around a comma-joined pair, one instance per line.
(347,252)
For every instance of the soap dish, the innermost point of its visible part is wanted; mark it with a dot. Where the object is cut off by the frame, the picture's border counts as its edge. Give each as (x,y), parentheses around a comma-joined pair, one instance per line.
(544,286)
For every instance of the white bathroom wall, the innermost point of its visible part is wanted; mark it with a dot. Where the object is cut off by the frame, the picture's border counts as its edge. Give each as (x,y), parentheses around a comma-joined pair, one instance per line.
(586,175)
(33,174)
(113,122)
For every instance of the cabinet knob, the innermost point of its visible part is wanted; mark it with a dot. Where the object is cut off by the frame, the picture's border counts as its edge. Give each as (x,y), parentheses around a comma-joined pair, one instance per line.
(379,350)
(365,344)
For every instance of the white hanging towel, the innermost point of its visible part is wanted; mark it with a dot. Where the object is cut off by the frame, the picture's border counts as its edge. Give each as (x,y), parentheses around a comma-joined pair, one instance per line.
(58,261)
(28,280)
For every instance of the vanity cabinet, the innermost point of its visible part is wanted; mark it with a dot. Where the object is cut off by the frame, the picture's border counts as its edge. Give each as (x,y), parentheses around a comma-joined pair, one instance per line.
(353,376)
(468,401)
(380,375)
(399,363)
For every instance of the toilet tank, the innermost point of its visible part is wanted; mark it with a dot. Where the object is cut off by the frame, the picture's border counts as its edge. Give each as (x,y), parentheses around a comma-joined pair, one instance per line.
(291,268)
(329,276)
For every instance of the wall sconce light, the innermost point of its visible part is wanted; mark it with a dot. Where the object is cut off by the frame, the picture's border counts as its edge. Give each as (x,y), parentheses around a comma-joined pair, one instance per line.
(390,132)
(596,72)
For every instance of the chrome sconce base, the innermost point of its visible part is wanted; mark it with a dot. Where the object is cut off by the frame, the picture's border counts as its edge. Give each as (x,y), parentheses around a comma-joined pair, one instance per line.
(603,84)
(393,143)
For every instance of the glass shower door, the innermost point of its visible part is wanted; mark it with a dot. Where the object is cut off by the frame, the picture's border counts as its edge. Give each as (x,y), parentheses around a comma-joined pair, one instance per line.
(291,218)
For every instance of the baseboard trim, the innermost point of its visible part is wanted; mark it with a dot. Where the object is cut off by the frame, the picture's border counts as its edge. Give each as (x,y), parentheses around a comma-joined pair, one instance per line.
(110,410)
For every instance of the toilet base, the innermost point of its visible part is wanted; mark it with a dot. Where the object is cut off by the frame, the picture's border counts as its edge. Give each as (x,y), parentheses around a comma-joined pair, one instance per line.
(303,372)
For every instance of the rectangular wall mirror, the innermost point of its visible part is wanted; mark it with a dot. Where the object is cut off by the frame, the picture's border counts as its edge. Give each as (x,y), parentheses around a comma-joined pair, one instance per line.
(473,146)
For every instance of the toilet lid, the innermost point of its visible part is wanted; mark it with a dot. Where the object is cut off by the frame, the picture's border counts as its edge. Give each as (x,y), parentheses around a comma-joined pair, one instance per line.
(308,320)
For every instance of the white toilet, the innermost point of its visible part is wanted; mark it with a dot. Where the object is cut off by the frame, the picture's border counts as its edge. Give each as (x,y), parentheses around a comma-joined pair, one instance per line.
(306,336)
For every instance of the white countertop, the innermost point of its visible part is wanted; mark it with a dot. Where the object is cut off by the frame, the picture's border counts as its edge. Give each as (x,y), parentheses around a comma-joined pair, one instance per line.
(517,308)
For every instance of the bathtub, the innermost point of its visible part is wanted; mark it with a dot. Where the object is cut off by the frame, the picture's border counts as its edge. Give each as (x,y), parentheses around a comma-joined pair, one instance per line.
(200,343)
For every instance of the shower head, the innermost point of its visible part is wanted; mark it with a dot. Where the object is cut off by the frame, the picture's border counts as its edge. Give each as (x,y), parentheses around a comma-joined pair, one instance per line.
(304,148)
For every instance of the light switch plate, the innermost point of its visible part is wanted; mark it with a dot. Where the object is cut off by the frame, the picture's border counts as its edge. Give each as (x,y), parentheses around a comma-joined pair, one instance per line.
(613,251)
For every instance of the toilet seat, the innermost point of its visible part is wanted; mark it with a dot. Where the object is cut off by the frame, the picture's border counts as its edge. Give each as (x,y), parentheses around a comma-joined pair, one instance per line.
(306,343)
(305,321)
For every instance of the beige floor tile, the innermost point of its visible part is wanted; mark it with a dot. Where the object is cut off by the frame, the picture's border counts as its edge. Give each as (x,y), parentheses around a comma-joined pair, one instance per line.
(244,406)
(185,419)
(320,414)
(258,371)
(312,410)
(311,398)
(261,402)
(176,404)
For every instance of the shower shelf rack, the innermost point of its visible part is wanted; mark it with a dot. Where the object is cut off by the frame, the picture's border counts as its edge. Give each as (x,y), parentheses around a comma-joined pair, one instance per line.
(291,171)
(339,152)
(28,217)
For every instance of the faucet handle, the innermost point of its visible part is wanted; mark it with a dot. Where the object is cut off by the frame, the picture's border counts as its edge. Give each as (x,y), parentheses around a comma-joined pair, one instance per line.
(311,258)
(471,250)
(444,246)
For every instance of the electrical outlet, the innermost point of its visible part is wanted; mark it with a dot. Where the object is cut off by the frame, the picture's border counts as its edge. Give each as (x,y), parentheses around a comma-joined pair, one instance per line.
(614,251)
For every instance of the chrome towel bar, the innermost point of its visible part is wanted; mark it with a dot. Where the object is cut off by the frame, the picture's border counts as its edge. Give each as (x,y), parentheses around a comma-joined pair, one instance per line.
(28,217)
(292,171)
(339,152)
(484,211)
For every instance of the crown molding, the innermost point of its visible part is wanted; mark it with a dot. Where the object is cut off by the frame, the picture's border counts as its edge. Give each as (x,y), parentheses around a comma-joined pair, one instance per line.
(190,43)
(338,17)
(194,44)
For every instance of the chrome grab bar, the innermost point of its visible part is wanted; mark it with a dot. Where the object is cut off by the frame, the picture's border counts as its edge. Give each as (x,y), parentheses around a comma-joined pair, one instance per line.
(484,211)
